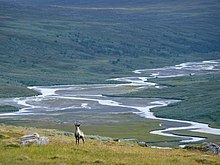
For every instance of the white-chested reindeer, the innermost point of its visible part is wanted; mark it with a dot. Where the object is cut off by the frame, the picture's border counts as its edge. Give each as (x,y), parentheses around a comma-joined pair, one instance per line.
(78,133)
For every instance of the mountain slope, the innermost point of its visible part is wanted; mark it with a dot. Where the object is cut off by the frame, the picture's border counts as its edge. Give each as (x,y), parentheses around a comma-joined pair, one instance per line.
(73,43)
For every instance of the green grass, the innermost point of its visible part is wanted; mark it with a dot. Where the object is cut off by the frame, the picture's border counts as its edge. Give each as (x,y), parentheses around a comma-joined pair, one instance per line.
(62,150)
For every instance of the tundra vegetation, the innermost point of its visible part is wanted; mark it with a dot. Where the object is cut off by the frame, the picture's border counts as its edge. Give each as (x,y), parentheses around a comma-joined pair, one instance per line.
(73,42)
(63,150)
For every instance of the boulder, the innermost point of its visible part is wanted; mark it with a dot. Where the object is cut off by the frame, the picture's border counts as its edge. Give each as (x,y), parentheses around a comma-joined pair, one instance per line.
(212,147)
(142,144)
(30,136)
(33,138)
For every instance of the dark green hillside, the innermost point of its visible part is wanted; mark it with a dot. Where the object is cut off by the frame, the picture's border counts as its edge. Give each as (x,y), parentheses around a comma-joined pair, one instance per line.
(68,44)
(90,3)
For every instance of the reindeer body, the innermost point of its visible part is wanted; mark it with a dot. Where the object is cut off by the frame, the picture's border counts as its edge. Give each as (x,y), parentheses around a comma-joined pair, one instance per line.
(78,133)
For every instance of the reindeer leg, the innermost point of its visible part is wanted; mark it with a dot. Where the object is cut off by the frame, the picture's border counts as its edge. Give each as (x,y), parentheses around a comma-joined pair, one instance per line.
(78,140)
(83,140)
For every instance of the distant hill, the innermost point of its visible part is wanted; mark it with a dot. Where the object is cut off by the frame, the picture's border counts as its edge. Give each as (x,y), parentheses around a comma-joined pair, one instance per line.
(91,3)
(67,42)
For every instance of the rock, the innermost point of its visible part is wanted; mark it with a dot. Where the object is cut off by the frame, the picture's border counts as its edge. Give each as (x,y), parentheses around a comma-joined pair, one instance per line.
(142,144)
(28,141)
(214,148)
(194,147)
(43,140)
(33,138)
(33,135)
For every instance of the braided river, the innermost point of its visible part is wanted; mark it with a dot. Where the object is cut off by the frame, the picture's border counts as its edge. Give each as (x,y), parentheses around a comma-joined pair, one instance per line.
(94,101)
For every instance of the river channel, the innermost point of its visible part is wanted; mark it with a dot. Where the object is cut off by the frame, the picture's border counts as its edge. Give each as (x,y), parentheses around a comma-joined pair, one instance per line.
(93,102)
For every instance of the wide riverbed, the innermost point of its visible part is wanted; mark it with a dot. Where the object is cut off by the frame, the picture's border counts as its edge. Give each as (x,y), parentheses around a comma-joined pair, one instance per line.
(92,103)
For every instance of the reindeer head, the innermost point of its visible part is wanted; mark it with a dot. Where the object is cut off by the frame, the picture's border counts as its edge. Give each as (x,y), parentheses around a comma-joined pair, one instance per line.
(77,124)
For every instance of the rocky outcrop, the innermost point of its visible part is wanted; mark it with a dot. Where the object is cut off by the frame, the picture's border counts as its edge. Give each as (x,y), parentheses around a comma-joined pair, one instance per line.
(205,147)
(211,147)
(33,138)
(143,144)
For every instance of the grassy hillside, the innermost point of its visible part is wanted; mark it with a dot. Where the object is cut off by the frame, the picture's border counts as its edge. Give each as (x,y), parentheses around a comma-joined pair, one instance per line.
(45,45)
(93,3)
(62,150)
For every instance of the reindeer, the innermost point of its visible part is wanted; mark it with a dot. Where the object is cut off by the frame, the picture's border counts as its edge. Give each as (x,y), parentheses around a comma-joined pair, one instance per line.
(78,133)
